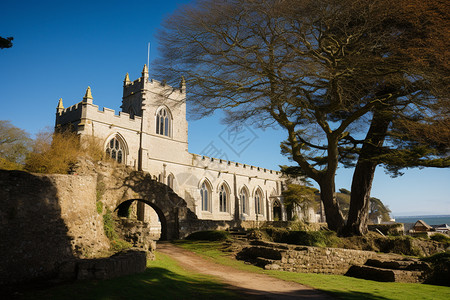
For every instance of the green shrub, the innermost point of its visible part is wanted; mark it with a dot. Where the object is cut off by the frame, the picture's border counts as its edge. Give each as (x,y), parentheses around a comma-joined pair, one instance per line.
(443,257)
(298,225)
(440,264)
(301,237)
(401,245)
(109,226)
(209,235)
(118,245)
(277,234)
(99,205)
(53,152)
(313,238)
(257,234)
(441,238)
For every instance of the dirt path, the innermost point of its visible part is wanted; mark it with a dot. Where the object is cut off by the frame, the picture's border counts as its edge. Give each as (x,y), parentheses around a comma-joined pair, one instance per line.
(250,285)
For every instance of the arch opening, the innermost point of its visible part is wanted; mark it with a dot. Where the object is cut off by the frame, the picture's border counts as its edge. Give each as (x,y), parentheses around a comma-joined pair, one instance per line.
(148,213)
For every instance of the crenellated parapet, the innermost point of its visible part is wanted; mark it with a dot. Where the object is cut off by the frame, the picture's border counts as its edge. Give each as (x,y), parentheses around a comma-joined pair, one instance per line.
(69,115)
(227,166)
(83,112)
(155,86)
(144,82)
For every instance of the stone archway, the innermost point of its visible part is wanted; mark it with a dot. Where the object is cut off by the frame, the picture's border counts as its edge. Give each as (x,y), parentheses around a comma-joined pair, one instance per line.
(139,186)
(123,211)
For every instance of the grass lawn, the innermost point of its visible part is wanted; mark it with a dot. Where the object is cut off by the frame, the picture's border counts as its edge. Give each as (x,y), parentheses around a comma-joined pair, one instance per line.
(163,279)
(340,286)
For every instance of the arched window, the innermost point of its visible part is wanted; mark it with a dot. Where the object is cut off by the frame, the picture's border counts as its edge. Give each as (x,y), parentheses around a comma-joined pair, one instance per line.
(170,179)
(114,150)
(223,199)
(243,196)
(258,202)
(205,193)
(163,122)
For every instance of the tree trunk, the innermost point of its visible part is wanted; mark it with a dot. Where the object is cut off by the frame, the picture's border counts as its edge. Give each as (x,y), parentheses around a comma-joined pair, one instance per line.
(359,200)
(334,217)
(364,173)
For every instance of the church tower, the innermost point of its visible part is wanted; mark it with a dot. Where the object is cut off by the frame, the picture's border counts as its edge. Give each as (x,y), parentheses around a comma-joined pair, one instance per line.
(162,108)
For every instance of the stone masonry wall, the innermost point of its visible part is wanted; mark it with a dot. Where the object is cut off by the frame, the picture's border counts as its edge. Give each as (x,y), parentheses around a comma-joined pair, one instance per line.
(323,260)
(46,220)
(305,259)
(124,263)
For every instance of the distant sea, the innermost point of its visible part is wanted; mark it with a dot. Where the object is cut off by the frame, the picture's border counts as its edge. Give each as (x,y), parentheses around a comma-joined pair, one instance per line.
(430,220)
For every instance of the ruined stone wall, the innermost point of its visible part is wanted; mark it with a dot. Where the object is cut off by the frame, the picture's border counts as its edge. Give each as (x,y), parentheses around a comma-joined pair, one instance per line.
(138,234)
(44,221)
(129,262)
(189,226)
(304,259)
(323,260)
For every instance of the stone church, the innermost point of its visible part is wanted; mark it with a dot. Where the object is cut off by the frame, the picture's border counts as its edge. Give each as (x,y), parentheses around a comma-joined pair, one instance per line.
(151,134)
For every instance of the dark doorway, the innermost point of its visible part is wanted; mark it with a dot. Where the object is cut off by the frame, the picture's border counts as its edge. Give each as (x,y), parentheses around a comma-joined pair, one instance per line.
(277,211)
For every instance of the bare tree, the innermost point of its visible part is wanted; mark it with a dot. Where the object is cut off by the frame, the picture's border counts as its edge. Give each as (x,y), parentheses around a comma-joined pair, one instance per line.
(14,146)
(321,70)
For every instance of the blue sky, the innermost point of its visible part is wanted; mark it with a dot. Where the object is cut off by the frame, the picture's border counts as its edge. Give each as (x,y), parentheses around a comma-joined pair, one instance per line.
(61,47)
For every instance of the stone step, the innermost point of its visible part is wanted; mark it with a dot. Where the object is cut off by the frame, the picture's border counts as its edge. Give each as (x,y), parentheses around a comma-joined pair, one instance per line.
(263,262)
(385,275)
(271,245)
(406,264)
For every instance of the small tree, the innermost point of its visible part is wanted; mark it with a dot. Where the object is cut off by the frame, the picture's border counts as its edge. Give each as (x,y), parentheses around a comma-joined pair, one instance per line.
(299,196)
(14,146)
(376,206)
(378,210)
(58,152)
(54,152)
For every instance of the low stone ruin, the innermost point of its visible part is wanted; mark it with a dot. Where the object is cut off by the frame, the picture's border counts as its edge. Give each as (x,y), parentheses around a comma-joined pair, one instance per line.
(355,263)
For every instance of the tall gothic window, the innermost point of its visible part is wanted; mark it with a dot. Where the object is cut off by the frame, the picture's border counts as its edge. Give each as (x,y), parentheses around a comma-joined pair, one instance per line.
(258,202)
(163,122)
(205,195)
(243,196)
(114,150)
(223,199)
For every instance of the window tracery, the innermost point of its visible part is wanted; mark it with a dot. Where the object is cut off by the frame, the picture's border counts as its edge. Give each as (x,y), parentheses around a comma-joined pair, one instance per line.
(163,120)
(258,202)
(243,196)
(114,150)
(223,199)
(205,193)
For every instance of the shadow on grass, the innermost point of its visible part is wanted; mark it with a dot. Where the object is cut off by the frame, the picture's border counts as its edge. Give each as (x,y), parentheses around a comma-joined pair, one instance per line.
(353,295)
(154,283)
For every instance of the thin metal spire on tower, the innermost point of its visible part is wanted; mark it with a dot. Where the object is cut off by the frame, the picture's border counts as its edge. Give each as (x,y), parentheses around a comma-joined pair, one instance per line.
(148,55)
